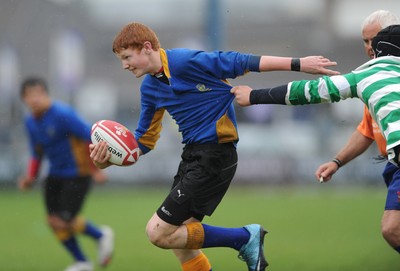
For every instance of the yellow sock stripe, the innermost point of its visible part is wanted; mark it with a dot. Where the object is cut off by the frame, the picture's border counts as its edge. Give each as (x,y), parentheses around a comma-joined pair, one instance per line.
(63,235)
(198,263)
(195,237)
(79,224)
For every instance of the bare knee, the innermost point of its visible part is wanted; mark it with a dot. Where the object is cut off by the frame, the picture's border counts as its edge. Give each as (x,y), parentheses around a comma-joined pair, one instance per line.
(391,227)
(156,237)
(391,233)
(386,231)
(165,235)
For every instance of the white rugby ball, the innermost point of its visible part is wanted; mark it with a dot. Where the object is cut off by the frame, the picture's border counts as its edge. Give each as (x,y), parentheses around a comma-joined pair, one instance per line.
(121,142)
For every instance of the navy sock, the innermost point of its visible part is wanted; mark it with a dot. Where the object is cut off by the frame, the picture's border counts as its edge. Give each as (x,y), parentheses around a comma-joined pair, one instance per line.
(397,249)
(225,237)
(73,247)
(92,231)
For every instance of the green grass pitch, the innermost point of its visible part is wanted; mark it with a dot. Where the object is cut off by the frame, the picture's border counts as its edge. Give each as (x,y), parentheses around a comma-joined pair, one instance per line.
(311,228)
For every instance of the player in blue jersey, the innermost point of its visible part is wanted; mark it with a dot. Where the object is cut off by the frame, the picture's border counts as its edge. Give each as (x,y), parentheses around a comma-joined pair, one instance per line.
(57,133)
(192,87)
(377,84)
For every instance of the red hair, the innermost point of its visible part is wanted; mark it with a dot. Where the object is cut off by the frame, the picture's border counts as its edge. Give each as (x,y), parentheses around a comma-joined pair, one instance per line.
(133,36)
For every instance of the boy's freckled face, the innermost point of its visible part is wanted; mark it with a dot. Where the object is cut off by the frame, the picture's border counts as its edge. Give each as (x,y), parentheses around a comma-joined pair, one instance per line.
(134,60)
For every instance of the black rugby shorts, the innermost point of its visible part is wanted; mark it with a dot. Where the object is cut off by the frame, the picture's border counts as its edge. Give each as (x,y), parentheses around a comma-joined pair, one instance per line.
(204,175)
(64,197)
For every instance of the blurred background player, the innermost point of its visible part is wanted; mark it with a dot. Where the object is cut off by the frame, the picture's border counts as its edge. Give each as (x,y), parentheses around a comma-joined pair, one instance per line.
(192,86)
(376,83)
(367,131)
(57,132)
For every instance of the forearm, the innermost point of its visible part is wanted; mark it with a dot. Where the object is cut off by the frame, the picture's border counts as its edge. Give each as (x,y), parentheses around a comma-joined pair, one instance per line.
(357,144)
(27,180)
(275,63)
(275,95)
(309,64)
(33,168)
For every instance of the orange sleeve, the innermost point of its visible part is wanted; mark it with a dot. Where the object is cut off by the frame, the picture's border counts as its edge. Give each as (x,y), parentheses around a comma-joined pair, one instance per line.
(365,126)
(370,129)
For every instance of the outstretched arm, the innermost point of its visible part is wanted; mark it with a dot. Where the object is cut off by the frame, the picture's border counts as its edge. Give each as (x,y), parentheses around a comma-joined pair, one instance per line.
(245,95)
(357,144)
(309,64)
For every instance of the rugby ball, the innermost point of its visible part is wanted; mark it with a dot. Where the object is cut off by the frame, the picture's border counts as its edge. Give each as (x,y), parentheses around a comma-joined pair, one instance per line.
(121,142)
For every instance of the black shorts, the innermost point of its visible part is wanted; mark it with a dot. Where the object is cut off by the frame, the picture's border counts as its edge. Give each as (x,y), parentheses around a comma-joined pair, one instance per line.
(203,177)
(64,197)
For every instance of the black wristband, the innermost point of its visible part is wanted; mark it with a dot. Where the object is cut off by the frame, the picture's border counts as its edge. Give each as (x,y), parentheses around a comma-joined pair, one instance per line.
(295,64)
(337,162)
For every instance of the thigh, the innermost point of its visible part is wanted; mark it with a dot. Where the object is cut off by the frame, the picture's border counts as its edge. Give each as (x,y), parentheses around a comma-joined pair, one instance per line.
(391,217)
(210,179)
(393,194)
(203,178)
(52,191)
(70,196)
(388,172)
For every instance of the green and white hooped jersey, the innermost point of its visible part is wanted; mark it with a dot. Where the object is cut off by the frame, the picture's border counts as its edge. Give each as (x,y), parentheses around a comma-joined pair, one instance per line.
(376,83)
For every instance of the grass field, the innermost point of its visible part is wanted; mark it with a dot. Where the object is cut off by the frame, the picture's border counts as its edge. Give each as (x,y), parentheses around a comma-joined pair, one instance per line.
(310,228)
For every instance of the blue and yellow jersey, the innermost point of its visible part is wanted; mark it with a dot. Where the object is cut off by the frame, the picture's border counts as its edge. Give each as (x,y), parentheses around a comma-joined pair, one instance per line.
(196,95)
(62,137)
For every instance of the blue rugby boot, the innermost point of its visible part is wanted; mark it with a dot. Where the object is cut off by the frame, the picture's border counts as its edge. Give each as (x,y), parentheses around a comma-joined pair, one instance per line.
(253,251)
